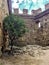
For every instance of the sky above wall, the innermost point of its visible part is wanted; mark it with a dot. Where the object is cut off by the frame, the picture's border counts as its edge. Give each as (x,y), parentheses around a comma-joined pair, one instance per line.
(29,4)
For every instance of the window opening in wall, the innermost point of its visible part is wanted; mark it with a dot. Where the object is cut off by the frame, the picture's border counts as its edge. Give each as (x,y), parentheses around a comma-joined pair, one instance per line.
(39,24)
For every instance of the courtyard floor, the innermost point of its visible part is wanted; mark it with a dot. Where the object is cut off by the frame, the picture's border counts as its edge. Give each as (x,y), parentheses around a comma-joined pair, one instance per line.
(32,55)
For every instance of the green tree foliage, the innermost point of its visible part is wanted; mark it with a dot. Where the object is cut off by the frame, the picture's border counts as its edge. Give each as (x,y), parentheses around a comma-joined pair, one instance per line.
(15,27)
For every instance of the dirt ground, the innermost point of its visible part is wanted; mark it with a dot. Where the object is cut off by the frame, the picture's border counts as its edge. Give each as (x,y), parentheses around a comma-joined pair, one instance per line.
(38,56)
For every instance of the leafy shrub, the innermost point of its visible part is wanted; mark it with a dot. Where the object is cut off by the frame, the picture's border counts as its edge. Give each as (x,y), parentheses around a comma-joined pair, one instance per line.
(14,26)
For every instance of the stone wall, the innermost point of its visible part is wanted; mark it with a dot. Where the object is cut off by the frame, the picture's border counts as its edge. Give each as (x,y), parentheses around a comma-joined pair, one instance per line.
(3,12)
(37,33)
(42,33)
(28,38)
(38,30)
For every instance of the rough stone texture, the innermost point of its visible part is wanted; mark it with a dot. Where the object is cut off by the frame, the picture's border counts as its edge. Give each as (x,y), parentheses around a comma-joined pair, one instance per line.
(30,24)
(36,34)
(33,55)
(3,13)
(43,31)
(32,50)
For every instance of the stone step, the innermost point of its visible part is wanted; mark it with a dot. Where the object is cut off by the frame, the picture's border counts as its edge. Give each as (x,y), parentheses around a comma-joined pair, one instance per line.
(15,48)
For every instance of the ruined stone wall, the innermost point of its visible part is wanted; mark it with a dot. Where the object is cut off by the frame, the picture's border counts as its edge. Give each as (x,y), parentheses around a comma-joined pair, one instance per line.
(39,28)
(42,33)
(38,33)
(29,36)
(30,26)
(3,13)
